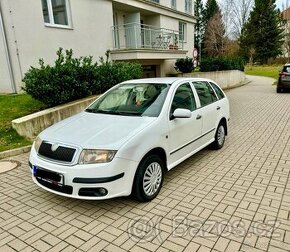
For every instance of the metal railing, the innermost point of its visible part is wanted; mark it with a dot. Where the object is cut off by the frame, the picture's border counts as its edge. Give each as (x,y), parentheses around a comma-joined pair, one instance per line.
(140,36)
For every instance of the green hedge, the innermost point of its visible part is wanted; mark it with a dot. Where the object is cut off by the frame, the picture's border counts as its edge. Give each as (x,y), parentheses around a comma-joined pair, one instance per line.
(74,78)
(222,63)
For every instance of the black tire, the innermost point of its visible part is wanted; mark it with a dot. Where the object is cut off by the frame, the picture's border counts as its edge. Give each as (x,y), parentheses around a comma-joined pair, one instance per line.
(279,90)
(220,137)
(149,163)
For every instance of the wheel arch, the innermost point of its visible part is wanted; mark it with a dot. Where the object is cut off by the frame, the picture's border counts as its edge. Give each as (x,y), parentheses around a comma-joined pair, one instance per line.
(224,122)
(159,152)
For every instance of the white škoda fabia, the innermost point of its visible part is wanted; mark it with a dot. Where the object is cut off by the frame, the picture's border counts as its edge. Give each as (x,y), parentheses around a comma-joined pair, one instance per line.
(125,141)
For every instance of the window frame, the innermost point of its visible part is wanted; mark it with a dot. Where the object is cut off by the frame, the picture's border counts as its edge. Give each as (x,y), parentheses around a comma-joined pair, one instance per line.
(173,4)
(170,112)
(214,85)
(182,35)
(188,6)
(51,17)
(208,87)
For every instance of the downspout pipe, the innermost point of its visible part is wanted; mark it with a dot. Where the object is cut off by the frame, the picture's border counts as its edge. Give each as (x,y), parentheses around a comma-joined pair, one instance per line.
(7,53)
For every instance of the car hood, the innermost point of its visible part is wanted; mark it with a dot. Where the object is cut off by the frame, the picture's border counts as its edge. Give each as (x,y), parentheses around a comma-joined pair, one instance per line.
(89,130)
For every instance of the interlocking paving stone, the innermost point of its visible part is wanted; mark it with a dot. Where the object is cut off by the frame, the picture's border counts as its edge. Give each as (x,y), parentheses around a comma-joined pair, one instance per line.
(234,199)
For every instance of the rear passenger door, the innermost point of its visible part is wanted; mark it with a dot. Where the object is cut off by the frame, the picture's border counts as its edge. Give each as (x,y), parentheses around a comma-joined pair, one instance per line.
(208,108)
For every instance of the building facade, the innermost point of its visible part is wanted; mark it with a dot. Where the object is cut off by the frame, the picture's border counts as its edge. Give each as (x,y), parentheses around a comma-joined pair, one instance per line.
(152,32)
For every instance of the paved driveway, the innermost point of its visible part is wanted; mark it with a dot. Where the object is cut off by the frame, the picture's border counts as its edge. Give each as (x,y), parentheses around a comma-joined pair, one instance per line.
(235,199)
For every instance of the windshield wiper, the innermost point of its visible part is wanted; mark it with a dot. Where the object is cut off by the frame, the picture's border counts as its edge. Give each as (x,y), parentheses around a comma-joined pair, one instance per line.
(123,113)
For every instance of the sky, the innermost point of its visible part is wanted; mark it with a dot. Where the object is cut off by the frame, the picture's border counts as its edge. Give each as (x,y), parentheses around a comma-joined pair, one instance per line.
(278,3)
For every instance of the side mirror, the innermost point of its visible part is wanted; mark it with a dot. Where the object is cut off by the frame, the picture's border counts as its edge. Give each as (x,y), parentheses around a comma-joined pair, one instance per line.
(181,113)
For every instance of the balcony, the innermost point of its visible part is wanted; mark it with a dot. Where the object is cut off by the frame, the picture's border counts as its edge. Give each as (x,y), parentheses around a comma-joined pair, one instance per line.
(146,42)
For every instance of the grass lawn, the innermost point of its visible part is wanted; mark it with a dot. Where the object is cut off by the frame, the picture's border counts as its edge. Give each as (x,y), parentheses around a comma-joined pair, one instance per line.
(12,107)
(267,71)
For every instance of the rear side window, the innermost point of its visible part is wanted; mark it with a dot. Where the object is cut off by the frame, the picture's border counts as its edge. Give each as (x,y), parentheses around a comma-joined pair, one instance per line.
(183,98)
(217,90)
(205,93)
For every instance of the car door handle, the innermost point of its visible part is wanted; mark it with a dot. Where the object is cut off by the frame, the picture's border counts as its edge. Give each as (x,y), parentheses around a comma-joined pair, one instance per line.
(198,117)
(218,108)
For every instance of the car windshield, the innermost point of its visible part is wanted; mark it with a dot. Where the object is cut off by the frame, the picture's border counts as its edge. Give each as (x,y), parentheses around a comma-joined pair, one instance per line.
(132,100)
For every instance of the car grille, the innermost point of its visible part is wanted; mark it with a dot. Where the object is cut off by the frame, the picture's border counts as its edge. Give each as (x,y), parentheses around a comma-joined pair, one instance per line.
(64,154)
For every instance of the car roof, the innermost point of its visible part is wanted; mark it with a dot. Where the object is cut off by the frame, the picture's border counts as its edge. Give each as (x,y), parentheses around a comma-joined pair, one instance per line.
(166,80)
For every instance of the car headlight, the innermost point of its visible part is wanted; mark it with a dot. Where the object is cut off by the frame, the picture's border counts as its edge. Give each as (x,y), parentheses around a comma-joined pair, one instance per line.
(96,156)
(37,143)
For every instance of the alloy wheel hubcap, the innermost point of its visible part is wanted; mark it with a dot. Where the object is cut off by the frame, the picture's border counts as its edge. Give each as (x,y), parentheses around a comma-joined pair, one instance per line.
(221,135)
(152,178)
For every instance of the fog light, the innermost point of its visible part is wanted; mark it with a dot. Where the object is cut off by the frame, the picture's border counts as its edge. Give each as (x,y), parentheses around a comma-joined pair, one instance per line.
(93,192)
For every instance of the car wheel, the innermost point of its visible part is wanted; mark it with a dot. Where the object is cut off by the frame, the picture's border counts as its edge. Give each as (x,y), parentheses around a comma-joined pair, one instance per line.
(279,90)
(220,137)
(148,178)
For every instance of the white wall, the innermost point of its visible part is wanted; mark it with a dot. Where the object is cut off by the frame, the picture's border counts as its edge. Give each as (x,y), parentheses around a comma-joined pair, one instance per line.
(90,34)
(5,78)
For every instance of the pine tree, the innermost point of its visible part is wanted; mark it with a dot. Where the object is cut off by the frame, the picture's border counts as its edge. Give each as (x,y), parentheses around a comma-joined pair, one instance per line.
(211,8)
(262,34)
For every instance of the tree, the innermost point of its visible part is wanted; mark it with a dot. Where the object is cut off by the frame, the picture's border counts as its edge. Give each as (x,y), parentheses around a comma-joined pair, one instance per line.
(215,39)
(240,13)
(262,32)
(211,8)
(199,26)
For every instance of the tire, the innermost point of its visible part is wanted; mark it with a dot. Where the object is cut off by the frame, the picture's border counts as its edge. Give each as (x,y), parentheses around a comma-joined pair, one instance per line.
(144,189)
(220,137)
(279,90)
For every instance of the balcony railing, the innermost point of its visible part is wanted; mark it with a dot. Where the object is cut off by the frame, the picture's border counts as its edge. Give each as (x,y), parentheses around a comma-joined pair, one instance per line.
(140,36)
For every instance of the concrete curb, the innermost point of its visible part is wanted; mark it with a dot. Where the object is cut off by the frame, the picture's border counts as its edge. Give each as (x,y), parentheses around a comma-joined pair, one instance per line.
(238,85)
(14,152)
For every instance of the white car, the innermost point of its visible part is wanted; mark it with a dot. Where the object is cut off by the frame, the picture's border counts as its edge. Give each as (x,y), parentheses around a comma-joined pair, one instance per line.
(125,141)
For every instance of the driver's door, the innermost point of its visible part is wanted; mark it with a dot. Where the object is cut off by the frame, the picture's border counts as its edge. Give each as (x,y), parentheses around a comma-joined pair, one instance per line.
(184,133)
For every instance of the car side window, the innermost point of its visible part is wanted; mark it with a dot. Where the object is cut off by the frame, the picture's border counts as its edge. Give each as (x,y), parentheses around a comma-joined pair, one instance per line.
(205,93)
(217,90)
(183,98)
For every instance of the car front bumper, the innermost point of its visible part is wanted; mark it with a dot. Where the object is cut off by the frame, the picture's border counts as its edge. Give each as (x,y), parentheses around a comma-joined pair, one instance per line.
(90,181)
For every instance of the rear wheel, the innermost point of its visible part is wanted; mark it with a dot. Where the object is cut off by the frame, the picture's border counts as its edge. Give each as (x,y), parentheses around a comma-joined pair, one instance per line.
(220,137)
(148,178)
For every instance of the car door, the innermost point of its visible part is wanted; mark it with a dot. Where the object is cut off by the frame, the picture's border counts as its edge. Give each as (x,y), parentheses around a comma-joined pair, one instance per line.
(209,109)
(184,133)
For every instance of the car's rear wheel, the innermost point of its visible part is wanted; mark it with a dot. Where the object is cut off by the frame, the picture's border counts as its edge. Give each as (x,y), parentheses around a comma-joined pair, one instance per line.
(148,178)
(220,137)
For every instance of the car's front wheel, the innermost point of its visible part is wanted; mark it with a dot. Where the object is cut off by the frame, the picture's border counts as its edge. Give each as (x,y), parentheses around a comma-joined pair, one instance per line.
(148,178)
(279,90)
(220,137)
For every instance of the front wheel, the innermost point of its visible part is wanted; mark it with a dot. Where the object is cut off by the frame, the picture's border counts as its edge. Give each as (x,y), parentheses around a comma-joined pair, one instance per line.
(148,178)
(220,137)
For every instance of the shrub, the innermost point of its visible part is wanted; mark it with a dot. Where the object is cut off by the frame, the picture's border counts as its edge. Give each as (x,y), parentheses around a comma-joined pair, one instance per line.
(222,63)
(112,73)
(74,78)
(184,65)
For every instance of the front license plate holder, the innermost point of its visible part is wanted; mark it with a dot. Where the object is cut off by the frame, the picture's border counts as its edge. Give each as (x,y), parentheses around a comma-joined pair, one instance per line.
(48,176)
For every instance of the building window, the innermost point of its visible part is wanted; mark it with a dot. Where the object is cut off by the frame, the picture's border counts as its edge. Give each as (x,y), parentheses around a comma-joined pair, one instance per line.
(173,4)
(182,29)
(188,6)
(55,12)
